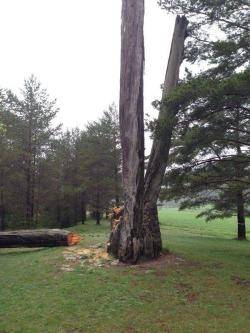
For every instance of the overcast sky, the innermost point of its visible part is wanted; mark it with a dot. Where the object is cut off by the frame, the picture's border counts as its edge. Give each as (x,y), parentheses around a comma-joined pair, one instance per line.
(73,47)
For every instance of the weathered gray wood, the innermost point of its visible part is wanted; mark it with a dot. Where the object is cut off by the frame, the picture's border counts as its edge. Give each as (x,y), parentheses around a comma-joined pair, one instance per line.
(161,145)
(128,246)
(35,238)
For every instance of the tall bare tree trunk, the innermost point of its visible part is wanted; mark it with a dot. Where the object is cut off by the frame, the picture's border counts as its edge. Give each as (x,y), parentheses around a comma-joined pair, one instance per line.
(126,244)
(160,150)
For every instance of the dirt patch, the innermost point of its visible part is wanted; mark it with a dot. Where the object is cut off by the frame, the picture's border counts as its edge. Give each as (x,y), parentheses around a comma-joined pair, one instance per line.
(97,256)
(131,329)
(186,290)
(166,259)
(183,287)
(217,265)
(161,273)
(192,298)
(242,282)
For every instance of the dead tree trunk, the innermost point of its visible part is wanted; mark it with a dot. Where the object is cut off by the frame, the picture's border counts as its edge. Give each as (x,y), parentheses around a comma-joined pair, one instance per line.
(38,238)
(126,242)
(160,150)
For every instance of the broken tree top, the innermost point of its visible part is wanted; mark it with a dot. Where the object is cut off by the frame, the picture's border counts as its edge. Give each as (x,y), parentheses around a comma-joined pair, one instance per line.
(38,238)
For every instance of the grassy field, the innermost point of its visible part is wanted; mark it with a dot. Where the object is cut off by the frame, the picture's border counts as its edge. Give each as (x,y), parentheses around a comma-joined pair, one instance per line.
(202,286)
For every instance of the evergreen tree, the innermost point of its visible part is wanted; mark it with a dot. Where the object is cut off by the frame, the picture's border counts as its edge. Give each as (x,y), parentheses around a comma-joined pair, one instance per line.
(211,150)
(99,160)
(48,177)
(11,174)
(60,204)
(218,32)
(36,112)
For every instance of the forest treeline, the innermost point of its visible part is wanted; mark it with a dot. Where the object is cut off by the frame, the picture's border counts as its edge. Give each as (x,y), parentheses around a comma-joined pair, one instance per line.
(50,177)
(200,155)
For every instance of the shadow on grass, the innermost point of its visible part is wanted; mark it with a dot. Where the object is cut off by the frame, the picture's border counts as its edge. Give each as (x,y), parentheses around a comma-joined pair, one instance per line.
(21,251)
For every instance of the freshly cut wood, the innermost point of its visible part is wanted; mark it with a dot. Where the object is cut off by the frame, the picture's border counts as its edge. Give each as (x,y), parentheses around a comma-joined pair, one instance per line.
(38,238)
(115,216)
(73,239)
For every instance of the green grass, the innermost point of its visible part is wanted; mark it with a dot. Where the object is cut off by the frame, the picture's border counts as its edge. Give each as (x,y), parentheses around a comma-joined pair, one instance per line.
(206,290)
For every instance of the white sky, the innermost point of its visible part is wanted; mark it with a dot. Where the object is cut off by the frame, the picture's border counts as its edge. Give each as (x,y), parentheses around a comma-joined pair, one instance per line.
(73,47)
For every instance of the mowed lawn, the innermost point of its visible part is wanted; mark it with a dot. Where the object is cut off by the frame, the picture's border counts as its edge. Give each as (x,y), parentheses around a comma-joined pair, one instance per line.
(202,286)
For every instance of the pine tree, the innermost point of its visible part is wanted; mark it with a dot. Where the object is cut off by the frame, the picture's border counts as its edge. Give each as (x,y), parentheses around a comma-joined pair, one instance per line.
(11,175)
(211,149)
(99,160)
(211,152)
(36,112)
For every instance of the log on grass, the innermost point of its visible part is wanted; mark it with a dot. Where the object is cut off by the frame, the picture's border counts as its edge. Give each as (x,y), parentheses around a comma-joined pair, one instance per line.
(38,238)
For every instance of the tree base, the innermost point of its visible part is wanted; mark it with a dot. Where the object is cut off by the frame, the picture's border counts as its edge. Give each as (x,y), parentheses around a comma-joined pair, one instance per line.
(131,245)
(242,230)
(241,238)
(151,233)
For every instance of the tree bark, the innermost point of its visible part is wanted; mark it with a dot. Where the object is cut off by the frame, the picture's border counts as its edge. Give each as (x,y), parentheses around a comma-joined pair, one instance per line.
(98,217)
(2,217)
(28,197)
(241,217)
(117,194)
(239,171)
(161,145)
(38,238)
(83,208)
(30,179)
(126,242)
(2,205)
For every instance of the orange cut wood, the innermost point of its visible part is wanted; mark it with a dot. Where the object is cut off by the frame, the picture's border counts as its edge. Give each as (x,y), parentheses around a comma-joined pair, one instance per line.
(73,239)
(118,211)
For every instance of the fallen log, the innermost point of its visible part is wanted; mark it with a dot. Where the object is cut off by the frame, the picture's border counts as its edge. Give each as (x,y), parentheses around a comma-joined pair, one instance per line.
(38,238)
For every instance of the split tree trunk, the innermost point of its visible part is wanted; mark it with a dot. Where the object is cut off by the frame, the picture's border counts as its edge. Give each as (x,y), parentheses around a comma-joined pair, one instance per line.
(125,242)
(38,238)
(161,146)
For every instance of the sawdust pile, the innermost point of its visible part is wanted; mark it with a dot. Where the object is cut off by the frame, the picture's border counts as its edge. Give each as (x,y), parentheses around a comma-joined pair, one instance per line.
(95,256)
